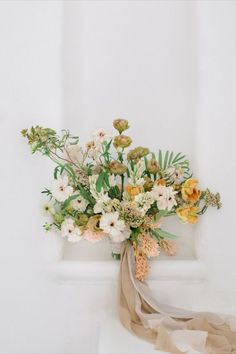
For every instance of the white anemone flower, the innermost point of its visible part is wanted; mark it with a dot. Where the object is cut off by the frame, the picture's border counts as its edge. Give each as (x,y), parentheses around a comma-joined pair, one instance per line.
(164,196)
(48,209)
(79,203)
(69,230)
(170,196)
(122,236)
(175,173)
(93,149)
(101,135)
(144,201)
(112,225)
(61,190)
(75,153)
(112,180)
(101,203)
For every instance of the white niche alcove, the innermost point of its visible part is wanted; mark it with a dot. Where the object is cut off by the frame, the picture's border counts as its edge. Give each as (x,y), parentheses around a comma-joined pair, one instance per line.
(87,261)
(156,64)
(122,59)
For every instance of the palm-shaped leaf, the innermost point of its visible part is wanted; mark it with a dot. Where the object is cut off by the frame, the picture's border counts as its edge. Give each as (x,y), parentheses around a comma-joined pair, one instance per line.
(170,159)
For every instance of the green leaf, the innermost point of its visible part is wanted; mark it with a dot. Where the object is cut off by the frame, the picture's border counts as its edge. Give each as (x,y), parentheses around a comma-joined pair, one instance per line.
(86,194)
(114,192)
(56,170)
(99,182)
(161,213)
(69,200)
(176,157)
(164,234)
(160,158)
(106,179)
(166,160)
(132,165)
(134,235)
(70,171)
(171,157)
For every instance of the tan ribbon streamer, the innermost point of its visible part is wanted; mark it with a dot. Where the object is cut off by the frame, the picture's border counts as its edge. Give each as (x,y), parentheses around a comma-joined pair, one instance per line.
(170,329)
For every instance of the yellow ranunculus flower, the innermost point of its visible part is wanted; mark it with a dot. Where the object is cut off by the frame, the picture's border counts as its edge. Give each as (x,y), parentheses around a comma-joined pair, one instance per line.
(160,182)
(188,214)
(133,190)
(189,190)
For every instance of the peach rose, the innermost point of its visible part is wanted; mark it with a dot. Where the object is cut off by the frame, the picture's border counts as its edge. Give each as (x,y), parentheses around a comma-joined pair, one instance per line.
(189,190)
(188,214)
(133,190)
(160,182)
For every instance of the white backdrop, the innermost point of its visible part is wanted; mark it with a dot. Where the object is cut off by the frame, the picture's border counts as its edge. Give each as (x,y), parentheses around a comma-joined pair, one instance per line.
(168,67)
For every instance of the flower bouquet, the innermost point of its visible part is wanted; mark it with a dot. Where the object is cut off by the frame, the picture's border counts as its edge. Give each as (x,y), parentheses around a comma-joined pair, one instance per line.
(107,190)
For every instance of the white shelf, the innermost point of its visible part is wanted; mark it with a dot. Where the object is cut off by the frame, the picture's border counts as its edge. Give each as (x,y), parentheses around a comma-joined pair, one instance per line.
(160,270)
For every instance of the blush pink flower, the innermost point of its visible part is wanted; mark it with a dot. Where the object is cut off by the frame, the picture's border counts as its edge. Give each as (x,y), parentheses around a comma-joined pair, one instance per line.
(93,236)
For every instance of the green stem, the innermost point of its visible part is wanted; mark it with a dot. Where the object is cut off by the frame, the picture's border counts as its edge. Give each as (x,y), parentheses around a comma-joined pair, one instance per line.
(204,209)
(122,185)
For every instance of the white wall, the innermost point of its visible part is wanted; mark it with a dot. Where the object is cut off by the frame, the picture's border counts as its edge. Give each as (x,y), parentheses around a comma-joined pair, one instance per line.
(216,123)
(135,60)
(169,67)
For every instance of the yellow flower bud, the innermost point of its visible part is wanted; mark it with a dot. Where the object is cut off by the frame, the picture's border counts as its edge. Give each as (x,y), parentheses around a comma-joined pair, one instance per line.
(122,141)
(153,166)
(148,184)
(117,168)
(82,219)
(160,182)
(137,153)
(121,125)
(133,190)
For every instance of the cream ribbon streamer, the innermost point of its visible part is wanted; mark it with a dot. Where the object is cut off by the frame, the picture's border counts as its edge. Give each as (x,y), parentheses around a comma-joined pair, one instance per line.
(170,329)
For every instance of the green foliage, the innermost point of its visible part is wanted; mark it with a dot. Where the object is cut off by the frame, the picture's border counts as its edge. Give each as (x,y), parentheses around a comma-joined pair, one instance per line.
(86,195)
(69,200)
(169,159)
(159,233)
(102,181)
(114,192)
(134,235)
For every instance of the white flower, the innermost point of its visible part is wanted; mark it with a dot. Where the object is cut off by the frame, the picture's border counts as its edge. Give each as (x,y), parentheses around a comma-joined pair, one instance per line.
(136,181)
(101,203)
(136,178)
(101,135)
(61,191)
(92,187)
(170,196)
(175,173)
(75,236)
(75,153)
(79,203)
(69,230)
(48,209)
(122,236)
(112,180)
(112,225)
(164,196)
(93,149)
(144,201)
